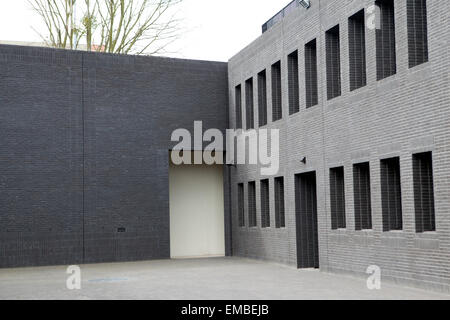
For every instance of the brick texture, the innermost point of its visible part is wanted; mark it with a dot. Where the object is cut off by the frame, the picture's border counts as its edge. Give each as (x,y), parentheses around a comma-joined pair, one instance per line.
(85,141)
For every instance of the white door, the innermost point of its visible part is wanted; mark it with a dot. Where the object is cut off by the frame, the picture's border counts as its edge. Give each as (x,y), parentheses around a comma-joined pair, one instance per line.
(196,211)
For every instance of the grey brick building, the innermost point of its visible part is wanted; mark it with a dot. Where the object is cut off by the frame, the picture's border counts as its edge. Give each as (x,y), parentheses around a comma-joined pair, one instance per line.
(380,94)
(358,89)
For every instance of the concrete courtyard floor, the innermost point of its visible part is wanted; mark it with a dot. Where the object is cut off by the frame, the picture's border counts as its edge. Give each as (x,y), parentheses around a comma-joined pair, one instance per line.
(196,279)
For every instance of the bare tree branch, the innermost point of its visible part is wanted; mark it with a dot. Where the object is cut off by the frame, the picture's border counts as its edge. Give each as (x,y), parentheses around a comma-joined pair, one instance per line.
(116,26)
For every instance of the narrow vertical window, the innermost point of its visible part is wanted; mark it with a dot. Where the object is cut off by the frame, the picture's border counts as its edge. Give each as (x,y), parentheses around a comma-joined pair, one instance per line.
(294,94)
(333,60)
(238,106)
(262,98)
(265,205)
(241,215)
(251,204)
(417,32)
(337,198)
(311,85)
(357,50)
(277,112)
(391,194)
(279,203)
(362,200)
(249,104)
(424,192)
(385,40)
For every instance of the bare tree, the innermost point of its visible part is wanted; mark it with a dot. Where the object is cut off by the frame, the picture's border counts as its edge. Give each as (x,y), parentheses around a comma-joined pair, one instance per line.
(58,16)
(116,26)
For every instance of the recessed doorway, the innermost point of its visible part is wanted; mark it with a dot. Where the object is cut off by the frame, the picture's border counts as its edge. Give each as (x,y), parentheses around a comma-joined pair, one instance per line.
(306,220)
(197,224)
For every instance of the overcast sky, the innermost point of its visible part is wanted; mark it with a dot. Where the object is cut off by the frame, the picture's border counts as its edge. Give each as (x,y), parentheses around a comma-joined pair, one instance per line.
(213,29)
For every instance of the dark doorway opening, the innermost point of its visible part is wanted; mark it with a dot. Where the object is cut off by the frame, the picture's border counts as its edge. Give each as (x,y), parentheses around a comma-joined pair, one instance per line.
(306,220)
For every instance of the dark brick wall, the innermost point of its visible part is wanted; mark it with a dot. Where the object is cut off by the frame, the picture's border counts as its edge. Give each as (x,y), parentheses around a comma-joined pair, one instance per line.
(41,160)
(84,151)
